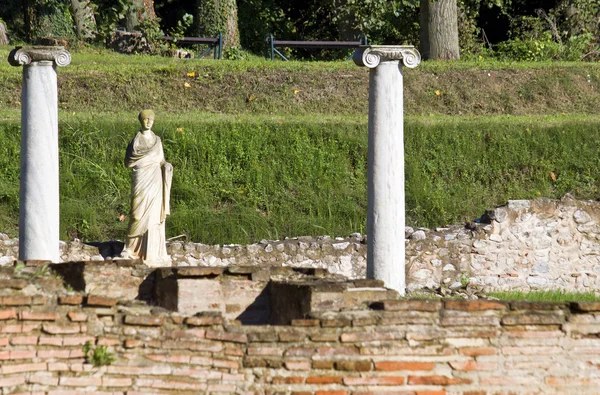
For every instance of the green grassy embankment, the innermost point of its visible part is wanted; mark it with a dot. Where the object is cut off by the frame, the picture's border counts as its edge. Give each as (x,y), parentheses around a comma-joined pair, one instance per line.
(240,179)
(103,81)
(268,150)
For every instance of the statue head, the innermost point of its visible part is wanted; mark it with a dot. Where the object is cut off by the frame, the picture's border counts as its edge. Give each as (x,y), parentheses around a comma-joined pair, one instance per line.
(146,118)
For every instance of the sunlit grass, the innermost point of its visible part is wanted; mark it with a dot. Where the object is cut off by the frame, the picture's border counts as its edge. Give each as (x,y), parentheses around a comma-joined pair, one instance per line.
(241,178)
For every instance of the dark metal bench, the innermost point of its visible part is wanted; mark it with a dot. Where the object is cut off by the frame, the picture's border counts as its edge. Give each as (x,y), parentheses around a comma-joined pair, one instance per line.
(271,44)
(214,44)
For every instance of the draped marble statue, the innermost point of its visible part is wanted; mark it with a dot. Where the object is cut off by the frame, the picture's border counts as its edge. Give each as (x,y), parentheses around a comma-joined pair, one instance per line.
(150,190)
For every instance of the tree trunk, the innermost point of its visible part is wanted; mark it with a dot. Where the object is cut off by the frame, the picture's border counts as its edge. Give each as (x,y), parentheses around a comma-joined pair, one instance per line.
(85,21)
(148,7)
(28,19)
(424,29)
(232,33)
(214,16)
(142,10)
(3,34)
(441,40)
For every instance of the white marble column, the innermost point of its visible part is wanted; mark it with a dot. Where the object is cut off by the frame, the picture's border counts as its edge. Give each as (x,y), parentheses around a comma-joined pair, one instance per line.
(386,215)
(38,205)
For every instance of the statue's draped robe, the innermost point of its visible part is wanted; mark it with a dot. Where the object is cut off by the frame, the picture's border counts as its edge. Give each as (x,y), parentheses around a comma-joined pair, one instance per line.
(150,190)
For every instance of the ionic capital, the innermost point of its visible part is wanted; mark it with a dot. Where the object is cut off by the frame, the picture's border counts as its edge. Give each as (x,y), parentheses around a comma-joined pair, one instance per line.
(371,55)
(22,56)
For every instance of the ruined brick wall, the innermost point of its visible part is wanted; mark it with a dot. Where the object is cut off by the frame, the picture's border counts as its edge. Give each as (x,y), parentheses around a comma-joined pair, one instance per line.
(525,245)
(407,347)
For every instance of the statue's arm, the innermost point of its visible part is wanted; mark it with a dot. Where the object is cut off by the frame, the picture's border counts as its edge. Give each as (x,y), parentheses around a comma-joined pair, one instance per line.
(129,162)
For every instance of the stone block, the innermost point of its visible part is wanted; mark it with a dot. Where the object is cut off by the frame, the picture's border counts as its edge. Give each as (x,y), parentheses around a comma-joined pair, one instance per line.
(235,297)
(555,318)
(115,279)
(586,306)
(298,299)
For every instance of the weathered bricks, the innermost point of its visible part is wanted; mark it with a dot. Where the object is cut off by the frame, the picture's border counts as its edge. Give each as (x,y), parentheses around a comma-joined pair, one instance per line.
(323,380)
(16,300)
(380,380)
(354,366)
(473,305)
(80,381)
(24,340)
(470,321)
(75,316)
(38,316)
(297,365)
(536,306)
(408,305)
(101,301)
(473,365)
(55,329)
(291,336)
(144,320)
(116,382)
(476,351)
(265,351)
(305,322)
(11,381)
(227,336)
(72,300)
(262,336)
(9,314)
(288,380)
(363,336)
(401,365)
(335,322)
(397,347)
(322,365)
(335,351)
(204,320)
(25,367)
(586,306)
(262,362)
(533,319)
(437,380)
(18,328)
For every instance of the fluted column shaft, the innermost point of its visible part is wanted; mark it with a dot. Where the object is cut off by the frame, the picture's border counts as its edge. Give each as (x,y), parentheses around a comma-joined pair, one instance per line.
(39,220)
(386,211)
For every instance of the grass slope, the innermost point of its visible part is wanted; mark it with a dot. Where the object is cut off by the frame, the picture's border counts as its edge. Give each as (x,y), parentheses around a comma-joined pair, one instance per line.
(239,179)
(102,81)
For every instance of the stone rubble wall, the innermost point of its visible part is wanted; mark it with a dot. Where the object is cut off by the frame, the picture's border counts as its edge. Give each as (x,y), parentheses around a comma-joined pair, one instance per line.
(525,245)
(409,347)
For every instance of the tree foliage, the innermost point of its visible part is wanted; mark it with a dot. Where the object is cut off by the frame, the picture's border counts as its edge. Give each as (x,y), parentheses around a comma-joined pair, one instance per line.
(515,29)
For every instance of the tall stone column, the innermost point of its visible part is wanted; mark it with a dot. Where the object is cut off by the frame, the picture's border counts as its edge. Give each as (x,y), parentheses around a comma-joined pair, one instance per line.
(386,215)
(38,208)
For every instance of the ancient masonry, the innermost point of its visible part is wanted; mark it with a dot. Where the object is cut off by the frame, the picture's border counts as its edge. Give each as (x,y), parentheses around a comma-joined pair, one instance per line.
(324,336)
(525,245)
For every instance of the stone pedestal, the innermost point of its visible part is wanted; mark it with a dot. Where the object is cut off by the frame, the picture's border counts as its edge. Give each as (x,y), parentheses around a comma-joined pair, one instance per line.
(386,215)
(39,210)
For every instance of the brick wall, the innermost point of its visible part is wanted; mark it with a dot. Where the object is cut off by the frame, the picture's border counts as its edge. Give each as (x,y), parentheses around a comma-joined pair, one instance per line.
(400,347)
